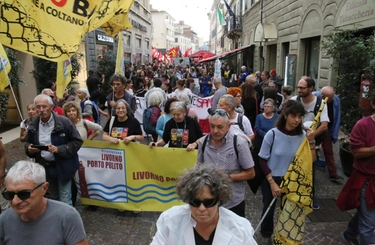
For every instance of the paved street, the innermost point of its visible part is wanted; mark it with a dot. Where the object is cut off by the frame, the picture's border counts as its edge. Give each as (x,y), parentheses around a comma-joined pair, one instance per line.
(109,226)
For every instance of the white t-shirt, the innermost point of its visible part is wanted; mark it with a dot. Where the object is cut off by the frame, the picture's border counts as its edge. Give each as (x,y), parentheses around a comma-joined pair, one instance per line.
(246,125)
(309,116)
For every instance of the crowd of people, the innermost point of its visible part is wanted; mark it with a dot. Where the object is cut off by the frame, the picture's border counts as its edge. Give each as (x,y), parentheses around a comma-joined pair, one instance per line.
(254,122)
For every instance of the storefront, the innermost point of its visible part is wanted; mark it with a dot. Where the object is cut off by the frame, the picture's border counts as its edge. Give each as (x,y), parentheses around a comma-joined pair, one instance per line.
(103,44)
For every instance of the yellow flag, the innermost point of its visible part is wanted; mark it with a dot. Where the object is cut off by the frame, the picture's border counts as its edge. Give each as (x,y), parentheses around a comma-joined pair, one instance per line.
(4,69)
(297,186)
(54,29)
(63,77)
(120,61)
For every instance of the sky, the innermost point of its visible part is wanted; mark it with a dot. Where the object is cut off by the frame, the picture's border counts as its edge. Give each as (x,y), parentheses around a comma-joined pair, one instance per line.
(192,12)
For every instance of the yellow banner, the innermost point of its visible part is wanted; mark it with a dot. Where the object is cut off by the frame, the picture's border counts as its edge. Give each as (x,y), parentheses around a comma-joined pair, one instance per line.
(63,77)
(4,69)
(54,29)
(120,60)
(130,177)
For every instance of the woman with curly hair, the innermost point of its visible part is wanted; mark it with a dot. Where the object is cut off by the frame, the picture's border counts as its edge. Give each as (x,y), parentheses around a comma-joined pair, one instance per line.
(236,92)
(204,188)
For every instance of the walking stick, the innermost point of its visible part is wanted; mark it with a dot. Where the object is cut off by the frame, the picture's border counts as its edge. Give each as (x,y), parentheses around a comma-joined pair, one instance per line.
(264,215)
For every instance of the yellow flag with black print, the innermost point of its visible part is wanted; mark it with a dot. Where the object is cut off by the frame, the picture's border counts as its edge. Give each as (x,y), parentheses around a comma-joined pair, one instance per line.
(54,29)
(4,69)
(63,77)
(297,186)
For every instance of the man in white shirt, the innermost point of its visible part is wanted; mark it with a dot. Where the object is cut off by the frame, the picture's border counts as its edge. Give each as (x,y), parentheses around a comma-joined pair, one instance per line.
(309,101)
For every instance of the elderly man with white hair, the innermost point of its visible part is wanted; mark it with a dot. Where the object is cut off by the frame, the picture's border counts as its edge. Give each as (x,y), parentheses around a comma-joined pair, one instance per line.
(54,141)
(34,219)
(244,74)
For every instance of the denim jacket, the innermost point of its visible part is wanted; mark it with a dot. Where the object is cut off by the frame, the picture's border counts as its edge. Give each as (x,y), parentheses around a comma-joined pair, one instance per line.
(68,141)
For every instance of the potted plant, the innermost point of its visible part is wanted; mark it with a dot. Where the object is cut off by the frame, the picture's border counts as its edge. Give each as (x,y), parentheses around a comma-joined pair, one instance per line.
(353,57)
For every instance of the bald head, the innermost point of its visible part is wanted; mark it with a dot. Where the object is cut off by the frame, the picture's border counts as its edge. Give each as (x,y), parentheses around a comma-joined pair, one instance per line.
(328,92)
(251,79)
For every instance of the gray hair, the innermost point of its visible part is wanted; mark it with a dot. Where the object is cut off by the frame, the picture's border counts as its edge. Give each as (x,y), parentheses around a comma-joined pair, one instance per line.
(128,109)
(229,100)
(85,91)
(215,114)
(26,170)
(217,80)
(270,101)
(243,67)
(47,90)
(179,105)
(156,98)
(45,97)
(184,98)
(192,181)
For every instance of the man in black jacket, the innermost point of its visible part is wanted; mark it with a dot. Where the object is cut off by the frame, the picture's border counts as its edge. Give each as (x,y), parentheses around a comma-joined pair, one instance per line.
(54,141)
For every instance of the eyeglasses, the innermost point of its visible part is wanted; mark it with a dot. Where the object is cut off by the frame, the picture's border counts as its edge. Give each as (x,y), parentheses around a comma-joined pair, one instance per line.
(220,112)
(208,203)
(302,88)
(23,195)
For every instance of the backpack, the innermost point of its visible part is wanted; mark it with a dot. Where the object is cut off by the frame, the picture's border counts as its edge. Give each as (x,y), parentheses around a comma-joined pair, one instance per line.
(318,139)
(147,124)
(95,111)
(205,143)
(317,105)
(239,122)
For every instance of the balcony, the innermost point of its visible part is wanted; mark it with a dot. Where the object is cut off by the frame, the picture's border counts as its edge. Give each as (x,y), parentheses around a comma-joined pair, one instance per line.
(233,29)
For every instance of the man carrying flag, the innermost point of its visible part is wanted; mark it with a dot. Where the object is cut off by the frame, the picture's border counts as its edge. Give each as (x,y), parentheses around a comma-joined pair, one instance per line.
(4,69)
(285,158)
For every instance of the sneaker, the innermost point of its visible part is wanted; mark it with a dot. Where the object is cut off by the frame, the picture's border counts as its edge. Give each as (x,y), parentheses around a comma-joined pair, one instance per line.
(335,178)
(316,205)
(347,240)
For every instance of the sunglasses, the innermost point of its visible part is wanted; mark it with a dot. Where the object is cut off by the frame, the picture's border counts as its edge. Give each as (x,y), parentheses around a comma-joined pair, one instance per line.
(220,112)
(23,195)
(206,202)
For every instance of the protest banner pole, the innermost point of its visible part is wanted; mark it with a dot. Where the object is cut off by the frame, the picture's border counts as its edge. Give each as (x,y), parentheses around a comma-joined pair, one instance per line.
(264,215)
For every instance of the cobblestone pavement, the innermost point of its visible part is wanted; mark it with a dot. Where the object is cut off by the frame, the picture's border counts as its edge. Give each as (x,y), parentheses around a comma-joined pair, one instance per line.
(109,226)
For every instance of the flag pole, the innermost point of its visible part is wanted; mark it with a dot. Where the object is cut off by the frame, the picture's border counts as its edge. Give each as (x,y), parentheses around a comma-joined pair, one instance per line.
(14,96)
(264,215)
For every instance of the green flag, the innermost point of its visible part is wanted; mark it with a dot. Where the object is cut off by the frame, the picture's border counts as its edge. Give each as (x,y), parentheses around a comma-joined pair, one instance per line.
(220,16)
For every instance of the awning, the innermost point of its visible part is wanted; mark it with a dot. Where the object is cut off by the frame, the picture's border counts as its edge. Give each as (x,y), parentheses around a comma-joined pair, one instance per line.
(226,54)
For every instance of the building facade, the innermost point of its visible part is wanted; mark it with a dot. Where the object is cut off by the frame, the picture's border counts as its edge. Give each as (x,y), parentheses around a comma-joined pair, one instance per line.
(163,30)
(286,34)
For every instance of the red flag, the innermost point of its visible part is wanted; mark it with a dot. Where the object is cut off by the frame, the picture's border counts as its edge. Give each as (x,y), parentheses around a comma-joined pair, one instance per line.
(173,52)
(160,57)
(155,53)
(188,52)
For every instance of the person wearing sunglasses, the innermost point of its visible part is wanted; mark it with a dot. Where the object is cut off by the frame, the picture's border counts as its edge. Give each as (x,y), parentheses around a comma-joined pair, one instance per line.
(34,219)
(231,152)
(202,220)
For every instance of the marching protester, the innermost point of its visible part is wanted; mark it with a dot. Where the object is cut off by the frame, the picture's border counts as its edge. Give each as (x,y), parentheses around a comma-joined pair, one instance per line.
(31,213)
(181,130)
(165,117)
(203,220)
(224,148)
(359,190)
(31,112)
(236,92)
(276,153)
(54,141)
(122,126)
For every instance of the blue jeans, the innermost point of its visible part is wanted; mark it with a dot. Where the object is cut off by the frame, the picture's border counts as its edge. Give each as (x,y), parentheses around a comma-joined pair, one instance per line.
(267,224)
(363,222)
(57,190)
